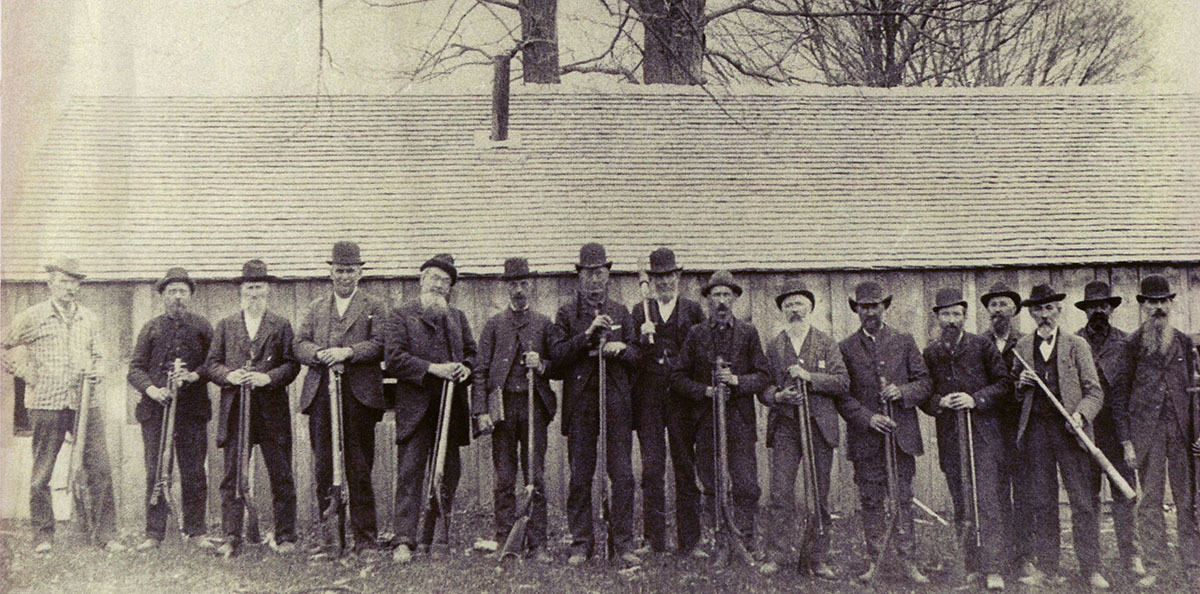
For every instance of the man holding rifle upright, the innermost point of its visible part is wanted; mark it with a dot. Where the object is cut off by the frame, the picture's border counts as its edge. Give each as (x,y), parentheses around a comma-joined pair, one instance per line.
(345,328)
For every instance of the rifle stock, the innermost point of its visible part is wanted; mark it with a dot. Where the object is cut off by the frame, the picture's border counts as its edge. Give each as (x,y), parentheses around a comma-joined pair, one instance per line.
(815,517)
(610,548)
(81,500)
(166,438)
(339,496)
(245,453)
(727,534)
(518,538)
(436,469)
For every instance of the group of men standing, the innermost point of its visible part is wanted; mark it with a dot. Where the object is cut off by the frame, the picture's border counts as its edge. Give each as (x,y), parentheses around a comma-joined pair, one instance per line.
(665,361)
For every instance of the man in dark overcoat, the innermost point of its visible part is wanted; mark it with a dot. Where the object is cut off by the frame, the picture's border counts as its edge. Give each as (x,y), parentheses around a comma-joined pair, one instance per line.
(345,328)
(426,342)
(884,365)
(263,339)
(574,344)
(694,377)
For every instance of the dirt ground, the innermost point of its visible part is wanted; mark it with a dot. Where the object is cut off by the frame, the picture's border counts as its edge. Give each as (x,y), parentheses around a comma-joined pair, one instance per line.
(178,567)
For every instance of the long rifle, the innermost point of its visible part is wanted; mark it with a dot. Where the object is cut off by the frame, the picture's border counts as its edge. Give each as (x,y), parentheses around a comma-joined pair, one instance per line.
(969,524)
(729,541)
(436,500)
(518,536)
(1195,392)
(891,505)
(610,547)
(166,438)
(82,510)
(1113,475)
(814,528)
(339,494)
(245,469)
(644,288)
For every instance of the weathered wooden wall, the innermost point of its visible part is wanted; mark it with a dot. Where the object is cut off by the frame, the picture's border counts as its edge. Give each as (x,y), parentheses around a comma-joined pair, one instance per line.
(125,307)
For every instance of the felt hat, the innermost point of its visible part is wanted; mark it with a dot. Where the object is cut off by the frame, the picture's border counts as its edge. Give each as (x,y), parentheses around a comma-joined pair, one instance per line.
(175,275)
(721,278)
(444,262)
(869,293)
(1098,293)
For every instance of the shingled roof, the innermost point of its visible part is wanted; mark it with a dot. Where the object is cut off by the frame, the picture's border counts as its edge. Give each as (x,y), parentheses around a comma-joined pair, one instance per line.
(831,180)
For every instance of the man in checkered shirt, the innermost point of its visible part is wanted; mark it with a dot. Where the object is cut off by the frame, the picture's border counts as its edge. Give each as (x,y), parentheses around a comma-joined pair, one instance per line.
(53,346)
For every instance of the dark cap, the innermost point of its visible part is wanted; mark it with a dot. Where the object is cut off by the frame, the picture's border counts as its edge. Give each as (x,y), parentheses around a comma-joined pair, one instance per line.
(869,293)
(794,288)
(721,278)
(345,253)
(1002,290)
(1097,293)
(1155,286)
(948,297)
(1043,294)
(662,261)
(444,262)
(592,255)
(255,271)
(175,275)
(516,269)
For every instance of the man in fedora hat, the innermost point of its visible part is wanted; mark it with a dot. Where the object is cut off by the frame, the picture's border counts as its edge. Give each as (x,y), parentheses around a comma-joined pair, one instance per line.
(426,342)
(671,317)
(884,365)
(735,342)
(1162,362)
(1064,363)
(968,374)
(54,346)
(575,339)
(344,327)
(513,342)
(800,353)
(261,339)
(176,334)
(1108,351)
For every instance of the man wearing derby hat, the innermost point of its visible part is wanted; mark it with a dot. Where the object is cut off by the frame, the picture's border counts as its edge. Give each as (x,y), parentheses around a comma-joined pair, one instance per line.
(727,349)
(968,374)
(574,345)
(1064,363)
(671,317)
(800,353)
(55,347)
(261,340)
(344,328)
(514,342)
(1162,362)
(425,343)
(176,334)
(884,365)
(1112,437)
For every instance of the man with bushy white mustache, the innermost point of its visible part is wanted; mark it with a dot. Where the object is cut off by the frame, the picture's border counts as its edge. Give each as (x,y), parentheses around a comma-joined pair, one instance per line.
(1162,363)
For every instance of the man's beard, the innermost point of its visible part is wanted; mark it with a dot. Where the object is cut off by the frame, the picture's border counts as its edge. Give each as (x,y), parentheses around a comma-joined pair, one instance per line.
(254,306)
(1098,323)
(872,324)
(950,332)
(1001,323)
(1155,336)
(519,301)
(433,303)
(722,312)
(176,309)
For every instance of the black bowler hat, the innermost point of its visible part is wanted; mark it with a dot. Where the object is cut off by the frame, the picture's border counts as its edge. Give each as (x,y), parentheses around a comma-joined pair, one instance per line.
(869,293)
(1155,286)
(175,275)
(794,288)
(1098,293)
(516,269)
(662,261)
(255,271)
(948,297)
(721,278)
(444,262)
(592,255)
(1002,290)
(1043,294)
(345,253)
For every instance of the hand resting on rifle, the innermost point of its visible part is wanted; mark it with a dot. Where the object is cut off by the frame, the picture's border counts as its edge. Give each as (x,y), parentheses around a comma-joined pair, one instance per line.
(957,401)
(882,423)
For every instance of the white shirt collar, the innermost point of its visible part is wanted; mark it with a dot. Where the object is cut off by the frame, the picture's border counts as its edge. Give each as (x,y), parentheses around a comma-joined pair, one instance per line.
(798,341)
(252,323)
(343,303)
(666,309)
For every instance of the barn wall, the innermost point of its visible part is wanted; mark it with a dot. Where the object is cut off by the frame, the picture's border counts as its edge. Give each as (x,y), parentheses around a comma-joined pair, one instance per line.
(125,307)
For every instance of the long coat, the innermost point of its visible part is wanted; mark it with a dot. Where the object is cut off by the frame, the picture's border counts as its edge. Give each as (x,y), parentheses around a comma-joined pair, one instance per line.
(573,354)
(1113,368)
(898,360)
(498,353)
(271,353)
(820,356)
(161,341)
(1152,374)
(972,365)
(1078,384)
(361,329)
(408,351)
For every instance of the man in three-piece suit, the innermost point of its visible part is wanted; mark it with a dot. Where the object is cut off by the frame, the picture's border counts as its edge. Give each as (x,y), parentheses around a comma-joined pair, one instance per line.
(344,328)
(427,342)
(261,340)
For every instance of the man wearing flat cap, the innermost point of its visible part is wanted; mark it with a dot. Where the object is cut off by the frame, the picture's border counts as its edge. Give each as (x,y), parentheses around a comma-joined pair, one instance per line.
(801,354)
(344,329)
(54,346)
(728,350)
(514,342)
(1064,363)
(1108,351)
(671,317)
(254,347)
(177,334)
(574,345)
(425,343)
(884,365)
(970,382)
(1162,364)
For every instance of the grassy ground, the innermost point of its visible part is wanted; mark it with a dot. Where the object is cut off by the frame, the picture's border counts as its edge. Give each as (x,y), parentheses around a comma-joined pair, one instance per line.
(177,568)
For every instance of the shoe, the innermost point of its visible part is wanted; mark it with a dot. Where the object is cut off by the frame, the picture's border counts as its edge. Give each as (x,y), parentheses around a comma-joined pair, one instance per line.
(914,573)
(43,547)
(113,546)
(698,553)
(1136,567)
(402,554)
(995,581)
(769,568)
(1147,582)
(285,548)
(146,545)
(1097,581)
(577,559)
(201,541)
(642,550)
(227,550)
(543,556)
(630,558)
(824,571)
(422,549)
(1031,575)
(869,574)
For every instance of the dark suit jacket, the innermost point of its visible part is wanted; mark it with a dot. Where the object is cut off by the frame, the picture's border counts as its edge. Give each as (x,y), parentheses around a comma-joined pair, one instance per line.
(1008,411)
(1078,383)
(693,371)
(361,329)
(572,353)
(898,360)
(972,365)
(1152,374)
(668,336)
(498,352)
(820,356)
(1112,367)
(408,340)
(270,353)
(161,341)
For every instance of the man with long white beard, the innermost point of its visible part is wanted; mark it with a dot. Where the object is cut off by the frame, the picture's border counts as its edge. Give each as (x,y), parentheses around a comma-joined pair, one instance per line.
(1162,362)
(426,342)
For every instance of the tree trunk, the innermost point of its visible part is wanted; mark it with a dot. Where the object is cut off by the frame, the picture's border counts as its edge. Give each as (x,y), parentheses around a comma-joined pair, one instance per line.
(674,42)
(539,30)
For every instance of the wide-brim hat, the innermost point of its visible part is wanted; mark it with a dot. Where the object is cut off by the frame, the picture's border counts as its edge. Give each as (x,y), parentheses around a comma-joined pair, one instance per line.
(1098,293)
(948,297)
(175,275)
(592,255)
(869,293)
(444,262)
(67,266)
(255,271)
(516,269)
(345,253)
(794,288)
(1155,286)
(662,261)
(1002,290)
(721,278)
(1043,294)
